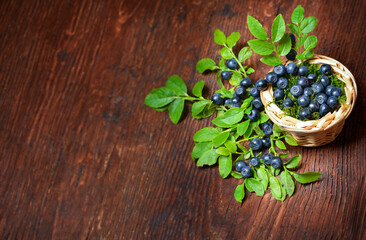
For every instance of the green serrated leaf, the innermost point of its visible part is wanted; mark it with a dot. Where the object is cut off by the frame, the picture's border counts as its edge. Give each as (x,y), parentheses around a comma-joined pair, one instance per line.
(225,166)
(255,185)
(287,182)
(294,29)
(297,15)
(307,177)
(290,140)
(159,97)
(250,71)
(261,47)
(275,187)
(242,127)
(206,64)
(235,79)
(220,139)
(258,130)
(219,37)
(280,145)
(205,134)
(161,109)
(198,107)
(293,162)
(244,54)
(232,39)
(231,146)
(177,85)
(236,175)
(239,193)
(284,155)
(278,28)
(176,109)
(263,176)
(232,116)
(300,56)
(255,28)
(225,53)
(197,89)
(223,151)
(309,53)
(310,42)
(263,117)
(271,60)
(208,158)
(249,131)
(200,148)
(308,24)
(284,46)
(276,130)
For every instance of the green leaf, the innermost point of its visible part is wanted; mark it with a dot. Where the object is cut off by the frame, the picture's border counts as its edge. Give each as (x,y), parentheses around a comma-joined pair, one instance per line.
(271,60)
(293,162)
(250,70)
(232,116)
(287,182)
(205,134)
(176,109)
(225,53)
(242,127)
(208,158)
(206,64)
(208,111)
(294,29)
(200,148)
(278,28)
(290,140)
(280,145)
(275,187)
(249,131)
(198,107)
(308,24)
(244,54)
(225,93)
(255,185)
(276,130)
(302,39)
(177,85)
(231,146)
(297,15)
(310,42)
(159,97)
(309,53)
(236,175)
(219,37)
(239,193)
(225,166)
(284,46)
(261,47)
(307,177)
(235,79)
(198,87)
(263,117)
(284,155)
(223,151)
(232,39)
(263,176)
(258,130)
(255,28)
(300,56)
(220,139)
(161,109)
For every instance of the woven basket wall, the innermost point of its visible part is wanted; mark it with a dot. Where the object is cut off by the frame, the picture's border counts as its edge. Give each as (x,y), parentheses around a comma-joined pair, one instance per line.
(315,132)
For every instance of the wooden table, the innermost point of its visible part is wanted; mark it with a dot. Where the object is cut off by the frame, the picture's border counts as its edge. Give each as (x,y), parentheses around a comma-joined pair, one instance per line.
(83,158)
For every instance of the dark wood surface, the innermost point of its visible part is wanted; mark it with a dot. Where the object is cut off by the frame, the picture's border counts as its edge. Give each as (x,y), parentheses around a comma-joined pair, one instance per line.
(83,158)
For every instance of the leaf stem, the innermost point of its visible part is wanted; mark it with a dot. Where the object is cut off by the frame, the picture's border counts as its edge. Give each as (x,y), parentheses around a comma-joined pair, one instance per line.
(241,66)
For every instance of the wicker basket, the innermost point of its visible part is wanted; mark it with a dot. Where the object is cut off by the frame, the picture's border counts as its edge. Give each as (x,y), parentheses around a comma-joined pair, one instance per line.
(315,132)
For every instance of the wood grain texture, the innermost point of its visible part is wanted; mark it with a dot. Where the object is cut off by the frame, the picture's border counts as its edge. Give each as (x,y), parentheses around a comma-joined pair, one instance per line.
(83,158)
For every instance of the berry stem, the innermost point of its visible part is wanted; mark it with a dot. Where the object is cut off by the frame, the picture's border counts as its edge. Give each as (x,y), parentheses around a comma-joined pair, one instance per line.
(241,66)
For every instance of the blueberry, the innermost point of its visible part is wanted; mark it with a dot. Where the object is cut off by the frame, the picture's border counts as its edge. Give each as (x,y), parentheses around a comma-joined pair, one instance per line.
(282,83)
(246,82)
(296,90)
(247,172)
(239,165)
(303,71)
(228,101)
(317,87)
(336,92)
(287,103)
(291,68)
(332,102)
(271,77)
(267,128)
(267,158)
(308,92)
(291,55)
(276,162)
(324,109)
(236,100)
(254,92)
(280,70)
(240,92)
(329,90)
(304,113)
(238,104)
(303,82)
(325,69)
(255,144)
(254,115)
(303,101)
(266,142)
(232,64)
(217,99)
(321,98)
(314,106)
(324,80)
(293,40)
(254,161)
(278,94)
(261,84)
(312,78)
(257,103)
(225,75)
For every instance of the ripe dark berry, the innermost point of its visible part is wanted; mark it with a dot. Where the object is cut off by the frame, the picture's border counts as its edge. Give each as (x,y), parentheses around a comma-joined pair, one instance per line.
(257,103)
(278,94)
(321,98)
(254,161)
(287,103)
(276,162)
(324,80)
(314,106)
(282,83)
(261,84)
(267,128)
(271,77)
(217,99)
(332,102)
(225,75)
(239,165)
(228,101)
(291,55)
(312,78)
(247,172)
(240,92)
(325,69)
(317,87)
(303,71)
(296,90)
(254,115)
(255,144)
(280,70)
(303,82)
(308,92)
(304,113)
(336,92)
(254,92)
(237,104)
(232,64)
(293,40)
(266,142)
(246,82)
(267,158)
(291,68)
(324,109)
(329,90)
(303,101)
(236,100)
